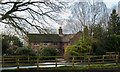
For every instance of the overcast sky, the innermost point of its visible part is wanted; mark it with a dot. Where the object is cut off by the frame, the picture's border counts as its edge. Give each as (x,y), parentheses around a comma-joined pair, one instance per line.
(109,4)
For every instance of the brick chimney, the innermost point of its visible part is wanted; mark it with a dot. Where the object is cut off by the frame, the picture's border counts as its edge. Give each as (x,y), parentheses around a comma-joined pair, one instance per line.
(60,31)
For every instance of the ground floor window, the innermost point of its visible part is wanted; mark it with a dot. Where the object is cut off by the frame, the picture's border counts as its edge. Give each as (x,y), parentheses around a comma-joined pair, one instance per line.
(55,43)
(45,44)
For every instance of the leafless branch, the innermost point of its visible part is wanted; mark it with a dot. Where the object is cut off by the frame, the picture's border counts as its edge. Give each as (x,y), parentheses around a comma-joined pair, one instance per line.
(46,8)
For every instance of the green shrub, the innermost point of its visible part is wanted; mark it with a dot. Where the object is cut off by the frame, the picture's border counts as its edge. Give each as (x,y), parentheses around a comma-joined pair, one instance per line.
(10,52)
(81,47)
(108,44)
(10,41)
(48,51)
(25,51)
(5,46)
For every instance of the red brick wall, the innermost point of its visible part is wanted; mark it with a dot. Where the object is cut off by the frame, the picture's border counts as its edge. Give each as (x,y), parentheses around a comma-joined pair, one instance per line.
(36,46)
(60,46)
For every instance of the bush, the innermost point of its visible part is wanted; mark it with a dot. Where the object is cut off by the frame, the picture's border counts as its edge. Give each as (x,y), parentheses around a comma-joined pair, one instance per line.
(10,41)
(25,51)
(5,46)
(81,47)
(108,44)
(10,52)
(48,51)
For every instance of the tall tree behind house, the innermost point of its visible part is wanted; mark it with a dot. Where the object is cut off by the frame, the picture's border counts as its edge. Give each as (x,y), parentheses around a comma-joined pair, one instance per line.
(114,23)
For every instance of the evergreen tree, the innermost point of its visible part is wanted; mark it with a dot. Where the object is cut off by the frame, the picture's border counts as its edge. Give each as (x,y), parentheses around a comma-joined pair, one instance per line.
(114,23)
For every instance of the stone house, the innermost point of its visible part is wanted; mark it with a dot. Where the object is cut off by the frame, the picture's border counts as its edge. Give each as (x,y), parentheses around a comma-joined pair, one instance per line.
(59,41)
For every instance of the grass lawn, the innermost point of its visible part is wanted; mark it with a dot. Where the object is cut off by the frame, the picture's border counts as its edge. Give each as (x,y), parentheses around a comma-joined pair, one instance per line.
(92,66)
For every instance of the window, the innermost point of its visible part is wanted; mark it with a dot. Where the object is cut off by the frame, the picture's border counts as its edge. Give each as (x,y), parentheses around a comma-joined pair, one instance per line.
(45,43)
(35,44)
(55,43)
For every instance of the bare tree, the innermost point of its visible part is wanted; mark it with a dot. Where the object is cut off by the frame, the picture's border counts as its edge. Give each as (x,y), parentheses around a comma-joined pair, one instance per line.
(25,15)
(87,14)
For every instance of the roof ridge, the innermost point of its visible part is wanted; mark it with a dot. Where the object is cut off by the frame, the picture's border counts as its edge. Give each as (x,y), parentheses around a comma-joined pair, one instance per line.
(42,34)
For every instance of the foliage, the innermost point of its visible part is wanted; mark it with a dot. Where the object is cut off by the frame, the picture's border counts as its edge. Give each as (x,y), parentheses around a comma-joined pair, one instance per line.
(48,51)
(98,31)
(20,51)
(14,47)
(25,51)
(14,39)
(114,23)
(5,46)
(108,44)
(81,47)
(18,43)
(10,52)
(108,41)
(112,43)
(98,37)
(6,42)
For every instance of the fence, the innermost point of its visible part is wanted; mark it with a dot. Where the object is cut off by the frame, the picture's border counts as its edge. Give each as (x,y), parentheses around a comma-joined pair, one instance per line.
(17,61)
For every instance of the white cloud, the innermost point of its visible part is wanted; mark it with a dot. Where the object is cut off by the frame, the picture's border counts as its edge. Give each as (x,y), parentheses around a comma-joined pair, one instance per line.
(111,3)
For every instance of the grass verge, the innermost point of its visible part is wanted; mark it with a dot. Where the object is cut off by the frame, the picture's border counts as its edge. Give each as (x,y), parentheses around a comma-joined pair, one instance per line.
(92,66)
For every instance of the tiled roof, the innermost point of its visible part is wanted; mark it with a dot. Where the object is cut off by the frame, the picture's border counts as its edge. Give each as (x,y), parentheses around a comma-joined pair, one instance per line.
(52,37)
(44,38)
(76,37)
(66,38)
